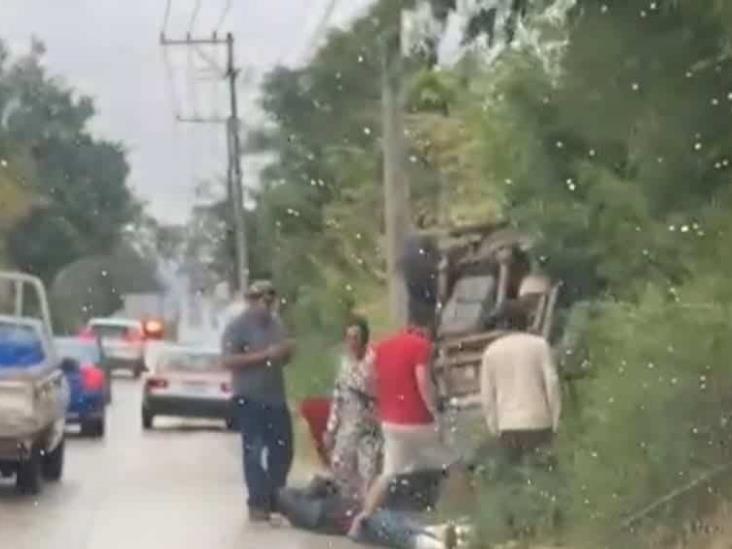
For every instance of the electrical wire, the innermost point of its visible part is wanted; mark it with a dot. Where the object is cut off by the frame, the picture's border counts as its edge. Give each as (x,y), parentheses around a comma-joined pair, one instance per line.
(320,30)
(166,17)
(170,78)
(191,77)
(194,16)
(222,17)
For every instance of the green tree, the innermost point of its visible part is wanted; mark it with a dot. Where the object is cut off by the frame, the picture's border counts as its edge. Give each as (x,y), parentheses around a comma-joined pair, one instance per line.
(80,179)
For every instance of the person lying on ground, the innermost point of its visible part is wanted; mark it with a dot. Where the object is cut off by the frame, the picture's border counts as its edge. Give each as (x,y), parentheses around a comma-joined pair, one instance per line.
(352,437)
(322,508)
(407,411)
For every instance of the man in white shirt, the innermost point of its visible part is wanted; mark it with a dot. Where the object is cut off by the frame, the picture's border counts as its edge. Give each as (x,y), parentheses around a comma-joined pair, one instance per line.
(520,393)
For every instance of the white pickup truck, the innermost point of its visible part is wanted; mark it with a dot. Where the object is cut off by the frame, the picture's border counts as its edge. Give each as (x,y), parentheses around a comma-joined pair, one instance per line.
(34,393)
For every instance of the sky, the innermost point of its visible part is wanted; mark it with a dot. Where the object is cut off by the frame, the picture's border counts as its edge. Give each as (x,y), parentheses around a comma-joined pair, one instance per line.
(109,50)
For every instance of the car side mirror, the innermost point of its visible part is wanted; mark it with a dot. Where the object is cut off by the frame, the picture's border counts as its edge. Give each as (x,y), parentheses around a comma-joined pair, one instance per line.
(70,365)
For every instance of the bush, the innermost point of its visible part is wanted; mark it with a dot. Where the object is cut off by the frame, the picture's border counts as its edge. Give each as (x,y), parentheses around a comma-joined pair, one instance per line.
(655,412)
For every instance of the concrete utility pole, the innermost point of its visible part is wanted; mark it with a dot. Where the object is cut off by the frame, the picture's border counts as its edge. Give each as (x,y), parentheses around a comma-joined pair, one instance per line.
(396,186)
(234,188)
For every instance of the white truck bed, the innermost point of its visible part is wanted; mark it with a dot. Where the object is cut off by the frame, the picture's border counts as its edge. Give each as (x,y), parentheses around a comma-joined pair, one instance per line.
(31,402)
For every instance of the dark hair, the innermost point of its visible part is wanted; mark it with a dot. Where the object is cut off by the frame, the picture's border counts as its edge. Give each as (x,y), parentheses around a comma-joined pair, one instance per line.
(363,328)
(421,314)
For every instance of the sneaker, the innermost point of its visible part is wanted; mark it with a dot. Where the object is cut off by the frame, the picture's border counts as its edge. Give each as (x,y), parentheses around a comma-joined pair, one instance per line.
(438,537)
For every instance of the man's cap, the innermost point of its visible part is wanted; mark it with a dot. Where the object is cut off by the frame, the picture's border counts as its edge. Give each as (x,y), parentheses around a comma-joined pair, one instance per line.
(260,288)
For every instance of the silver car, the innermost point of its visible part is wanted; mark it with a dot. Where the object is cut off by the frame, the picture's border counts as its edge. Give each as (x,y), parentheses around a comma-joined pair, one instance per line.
(123,342)
(186,382)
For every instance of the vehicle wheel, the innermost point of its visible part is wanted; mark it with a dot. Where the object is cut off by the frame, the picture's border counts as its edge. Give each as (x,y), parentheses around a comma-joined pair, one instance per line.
(29,479)
(231,424)
(147,420)
(53,463)
(93,428)
(137,372)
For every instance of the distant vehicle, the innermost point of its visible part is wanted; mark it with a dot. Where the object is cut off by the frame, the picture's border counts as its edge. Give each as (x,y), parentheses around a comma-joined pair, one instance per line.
(186,382)
(87,351)
(88,383)
(482,273)
(34,393)
(123,343)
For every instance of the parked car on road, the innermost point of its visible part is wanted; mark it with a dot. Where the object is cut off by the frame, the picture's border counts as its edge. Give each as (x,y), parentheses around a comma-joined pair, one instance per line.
(86,352)
(80,361)
(186,382)
(123,343)
(34,393)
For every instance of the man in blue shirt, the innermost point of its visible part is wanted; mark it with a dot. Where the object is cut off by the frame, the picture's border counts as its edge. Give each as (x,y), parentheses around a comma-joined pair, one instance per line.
(255,349)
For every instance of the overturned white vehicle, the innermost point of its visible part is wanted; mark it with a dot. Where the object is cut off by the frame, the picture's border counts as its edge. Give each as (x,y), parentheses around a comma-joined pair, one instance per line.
(33,390)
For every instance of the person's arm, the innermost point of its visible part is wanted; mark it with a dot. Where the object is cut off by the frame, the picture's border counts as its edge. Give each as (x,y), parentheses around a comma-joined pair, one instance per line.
(375,497)
(334,418)
(426,388)
(241,361)
(552,387)
(284,350)
(488,393)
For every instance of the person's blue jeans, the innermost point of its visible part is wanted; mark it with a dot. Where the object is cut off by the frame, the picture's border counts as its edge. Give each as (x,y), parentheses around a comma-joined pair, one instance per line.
(387,528)
(266,431)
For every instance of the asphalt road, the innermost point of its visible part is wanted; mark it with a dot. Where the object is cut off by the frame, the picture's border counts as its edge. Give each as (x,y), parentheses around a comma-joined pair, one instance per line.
(177,487)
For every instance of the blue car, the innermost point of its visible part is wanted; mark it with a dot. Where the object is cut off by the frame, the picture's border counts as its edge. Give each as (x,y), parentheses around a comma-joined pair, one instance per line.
(81,363)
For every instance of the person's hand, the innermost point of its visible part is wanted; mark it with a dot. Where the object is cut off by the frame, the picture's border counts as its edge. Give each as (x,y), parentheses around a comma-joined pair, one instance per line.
(355,531)
(329,441)
(278,351)
(273,352)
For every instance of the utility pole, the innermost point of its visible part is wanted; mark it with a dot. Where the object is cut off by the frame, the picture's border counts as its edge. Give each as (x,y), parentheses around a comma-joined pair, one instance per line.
(237,191)
(234,188)
(396,187)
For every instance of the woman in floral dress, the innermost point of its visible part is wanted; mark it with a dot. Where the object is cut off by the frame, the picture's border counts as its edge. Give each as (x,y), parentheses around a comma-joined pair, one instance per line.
(353,436)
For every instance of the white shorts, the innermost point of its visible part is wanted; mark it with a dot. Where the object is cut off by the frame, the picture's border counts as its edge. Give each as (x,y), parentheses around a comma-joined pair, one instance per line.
(413,448)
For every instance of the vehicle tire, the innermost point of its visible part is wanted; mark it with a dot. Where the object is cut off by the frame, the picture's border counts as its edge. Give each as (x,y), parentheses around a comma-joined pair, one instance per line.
(93,428)
(53,463)
(147,420)
(137,371)
(29,477)
(231,424)
(100,427)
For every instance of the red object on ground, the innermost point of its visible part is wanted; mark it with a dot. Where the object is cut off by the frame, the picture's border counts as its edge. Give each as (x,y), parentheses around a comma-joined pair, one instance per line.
(315,411)
(396,361)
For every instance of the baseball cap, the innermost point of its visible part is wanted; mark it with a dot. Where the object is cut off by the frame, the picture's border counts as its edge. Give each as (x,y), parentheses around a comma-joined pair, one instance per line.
(260,288)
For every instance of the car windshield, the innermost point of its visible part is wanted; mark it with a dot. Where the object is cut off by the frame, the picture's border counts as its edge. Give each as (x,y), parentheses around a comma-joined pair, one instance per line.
(192,362)
(79,350)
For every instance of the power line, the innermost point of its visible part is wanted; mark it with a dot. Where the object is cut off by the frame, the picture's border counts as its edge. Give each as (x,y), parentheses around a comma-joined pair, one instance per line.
(320,29)
(166,17)
(170,81)
(191,77)
(224,13)
(194,15)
